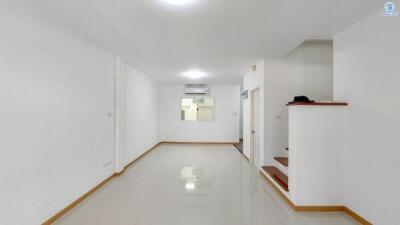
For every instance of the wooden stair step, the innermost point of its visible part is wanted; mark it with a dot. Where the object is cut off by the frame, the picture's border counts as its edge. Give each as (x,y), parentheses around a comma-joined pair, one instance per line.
(279,177)
(282,160)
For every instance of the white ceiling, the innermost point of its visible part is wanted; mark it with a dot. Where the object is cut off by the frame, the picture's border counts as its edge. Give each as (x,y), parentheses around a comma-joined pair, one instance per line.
(221,37)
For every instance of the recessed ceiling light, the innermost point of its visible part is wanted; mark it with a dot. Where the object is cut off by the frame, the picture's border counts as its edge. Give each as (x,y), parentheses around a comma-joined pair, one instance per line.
(178,2)
(194,74)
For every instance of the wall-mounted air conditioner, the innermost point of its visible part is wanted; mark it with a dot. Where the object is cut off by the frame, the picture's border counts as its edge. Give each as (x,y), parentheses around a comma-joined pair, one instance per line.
(196,90)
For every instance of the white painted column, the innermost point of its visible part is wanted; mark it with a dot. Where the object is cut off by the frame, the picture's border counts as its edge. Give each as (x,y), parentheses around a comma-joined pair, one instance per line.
(120,117)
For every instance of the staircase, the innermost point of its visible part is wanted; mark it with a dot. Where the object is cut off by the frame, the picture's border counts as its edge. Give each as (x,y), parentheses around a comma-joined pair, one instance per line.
(283,160)
(275,173)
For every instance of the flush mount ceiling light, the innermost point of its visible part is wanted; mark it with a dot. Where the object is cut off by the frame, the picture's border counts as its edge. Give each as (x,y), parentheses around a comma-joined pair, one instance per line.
(194,74)
(178,2)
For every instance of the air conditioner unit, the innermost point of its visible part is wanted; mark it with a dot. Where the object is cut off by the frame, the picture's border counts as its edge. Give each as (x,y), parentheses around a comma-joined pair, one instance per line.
(196,90)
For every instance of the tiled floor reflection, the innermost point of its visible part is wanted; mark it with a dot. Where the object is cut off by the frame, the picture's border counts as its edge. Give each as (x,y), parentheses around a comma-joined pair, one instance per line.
(192,185)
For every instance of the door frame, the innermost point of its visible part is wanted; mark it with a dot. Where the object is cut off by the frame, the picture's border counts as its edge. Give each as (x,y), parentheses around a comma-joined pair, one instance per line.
(252,127)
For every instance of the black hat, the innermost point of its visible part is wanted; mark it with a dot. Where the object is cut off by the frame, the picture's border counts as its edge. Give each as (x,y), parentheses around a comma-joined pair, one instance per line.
(302,99)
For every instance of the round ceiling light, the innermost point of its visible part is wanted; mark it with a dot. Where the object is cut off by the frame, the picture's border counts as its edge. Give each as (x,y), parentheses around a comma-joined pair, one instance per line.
(194,74)
(178,2)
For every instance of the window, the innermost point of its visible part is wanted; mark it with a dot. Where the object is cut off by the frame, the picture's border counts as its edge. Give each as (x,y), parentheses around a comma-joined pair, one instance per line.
(197,109)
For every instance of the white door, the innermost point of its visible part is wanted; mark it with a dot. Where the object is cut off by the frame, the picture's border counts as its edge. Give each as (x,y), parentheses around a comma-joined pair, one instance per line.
(255,127)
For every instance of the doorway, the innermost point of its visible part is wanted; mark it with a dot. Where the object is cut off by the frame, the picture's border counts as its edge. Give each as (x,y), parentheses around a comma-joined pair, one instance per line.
(255,127)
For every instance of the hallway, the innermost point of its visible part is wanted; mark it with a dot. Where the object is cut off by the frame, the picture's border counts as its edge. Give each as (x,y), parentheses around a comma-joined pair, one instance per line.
(157,190)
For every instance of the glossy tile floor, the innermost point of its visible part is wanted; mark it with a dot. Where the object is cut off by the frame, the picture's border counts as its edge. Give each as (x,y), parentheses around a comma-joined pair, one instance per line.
(192,185)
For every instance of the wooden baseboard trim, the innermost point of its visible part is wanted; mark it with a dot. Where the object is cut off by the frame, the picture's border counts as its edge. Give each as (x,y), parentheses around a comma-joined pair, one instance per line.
(117,174)
(141,156)
(322,208)
(283,196)
(245,156)
(316,208)
(77,202)
(58,215)
(199,142)
(356,216)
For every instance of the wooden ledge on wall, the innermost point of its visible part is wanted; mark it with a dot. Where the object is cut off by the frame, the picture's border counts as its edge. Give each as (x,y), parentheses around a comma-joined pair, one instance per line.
(318,103)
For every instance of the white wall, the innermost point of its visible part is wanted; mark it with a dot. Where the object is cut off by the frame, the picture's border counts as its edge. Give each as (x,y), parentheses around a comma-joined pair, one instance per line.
(367,76)
(224,128)
(142,113)
(252,81)
(308,70)
(56,137)
(241,116)
(315,156)
(137,114)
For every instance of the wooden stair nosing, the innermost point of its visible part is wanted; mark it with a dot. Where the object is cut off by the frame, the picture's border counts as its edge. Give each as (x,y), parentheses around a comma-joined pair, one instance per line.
(278,176)
(282,160)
